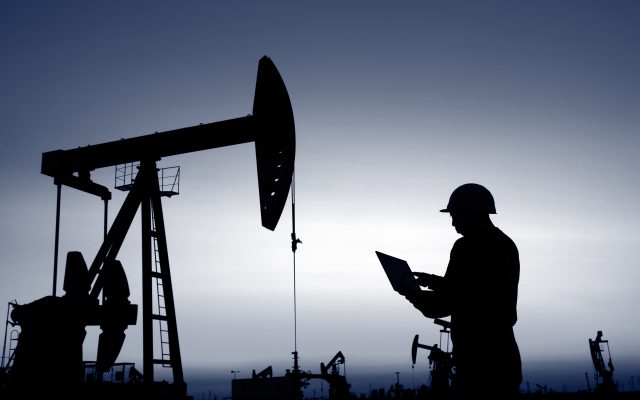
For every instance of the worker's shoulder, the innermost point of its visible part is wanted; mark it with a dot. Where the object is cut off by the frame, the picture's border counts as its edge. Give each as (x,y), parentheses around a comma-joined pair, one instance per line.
(504,240)
(459,243)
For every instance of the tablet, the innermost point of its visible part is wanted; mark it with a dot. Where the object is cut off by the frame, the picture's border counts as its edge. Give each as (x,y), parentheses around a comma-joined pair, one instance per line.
(399,273)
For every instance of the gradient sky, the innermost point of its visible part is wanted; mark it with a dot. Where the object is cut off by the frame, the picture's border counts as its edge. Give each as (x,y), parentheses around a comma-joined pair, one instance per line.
(396,104)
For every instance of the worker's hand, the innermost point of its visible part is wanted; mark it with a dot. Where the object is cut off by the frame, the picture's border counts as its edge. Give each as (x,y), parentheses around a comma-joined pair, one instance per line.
(422,278)
(428,280)
(406,286)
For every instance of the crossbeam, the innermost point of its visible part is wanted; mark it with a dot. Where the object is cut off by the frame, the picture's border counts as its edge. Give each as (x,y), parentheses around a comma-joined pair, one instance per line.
(270,126)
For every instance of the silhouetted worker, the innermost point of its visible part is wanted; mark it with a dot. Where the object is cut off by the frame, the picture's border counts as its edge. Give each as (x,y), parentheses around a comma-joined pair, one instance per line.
(479,291)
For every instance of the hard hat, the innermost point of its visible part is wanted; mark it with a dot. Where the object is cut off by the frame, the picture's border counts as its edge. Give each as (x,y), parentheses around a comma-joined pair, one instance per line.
(471,198)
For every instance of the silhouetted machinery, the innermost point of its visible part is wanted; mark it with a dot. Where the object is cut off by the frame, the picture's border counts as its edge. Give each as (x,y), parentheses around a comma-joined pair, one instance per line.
(440,361)
(48,356)
(264,386)
(604,372)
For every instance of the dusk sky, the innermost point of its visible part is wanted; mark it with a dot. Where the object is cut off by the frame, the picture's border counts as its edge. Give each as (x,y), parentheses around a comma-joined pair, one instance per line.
(395,105)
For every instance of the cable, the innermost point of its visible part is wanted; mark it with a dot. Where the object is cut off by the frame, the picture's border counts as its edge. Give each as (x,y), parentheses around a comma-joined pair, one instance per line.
(295,311)
(294,247)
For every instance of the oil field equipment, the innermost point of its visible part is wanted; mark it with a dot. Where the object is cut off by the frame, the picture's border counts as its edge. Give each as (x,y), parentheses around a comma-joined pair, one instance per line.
(48,356)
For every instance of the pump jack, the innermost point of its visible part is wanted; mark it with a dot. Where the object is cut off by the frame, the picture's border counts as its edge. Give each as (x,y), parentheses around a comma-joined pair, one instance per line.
(48,357)
(604,375)
(264,386)
(440,361)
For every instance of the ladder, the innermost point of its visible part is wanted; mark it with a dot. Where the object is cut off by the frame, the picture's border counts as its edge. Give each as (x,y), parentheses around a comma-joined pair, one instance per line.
(161,311)
(13,343)
(14,335)
(161,347)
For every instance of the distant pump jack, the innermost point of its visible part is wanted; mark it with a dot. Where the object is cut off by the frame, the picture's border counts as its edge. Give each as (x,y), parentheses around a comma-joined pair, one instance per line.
(604,372)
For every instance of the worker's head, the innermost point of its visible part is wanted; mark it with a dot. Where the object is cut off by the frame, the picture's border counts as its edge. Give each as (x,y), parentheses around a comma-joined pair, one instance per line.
(470,206)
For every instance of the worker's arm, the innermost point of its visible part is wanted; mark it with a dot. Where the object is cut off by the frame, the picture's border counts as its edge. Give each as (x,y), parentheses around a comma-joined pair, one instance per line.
(432,304)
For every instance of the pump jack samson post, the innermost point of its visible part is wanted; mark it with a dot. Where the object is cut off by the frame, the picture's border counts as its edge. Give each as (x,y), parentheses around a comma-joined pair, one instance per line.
(270,126)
